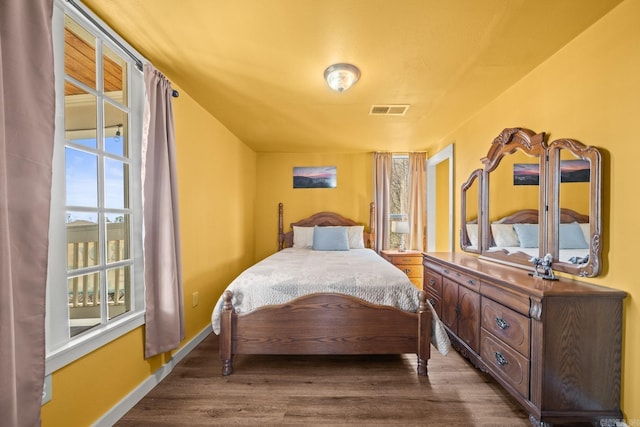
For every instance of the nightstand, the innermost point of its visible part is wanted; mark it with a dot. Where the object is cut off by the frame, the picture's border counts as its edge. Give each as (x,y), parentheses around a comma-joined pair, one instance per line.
(409,261)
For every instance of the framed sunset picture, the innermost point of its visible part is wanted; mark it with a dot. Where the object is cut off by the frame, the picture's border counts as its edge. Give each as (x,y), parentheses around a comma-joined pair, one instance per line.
(314,177)
(526,174)
(575,171)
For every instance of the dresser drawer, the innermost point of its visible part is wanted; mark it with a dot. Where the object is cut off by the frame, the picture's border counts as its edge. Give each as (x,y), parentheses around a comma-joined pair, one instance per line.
(462,278)
(417,281)
(406,260)
(505,363)
(507,325)
(456,275)
(433,284)
(411,270)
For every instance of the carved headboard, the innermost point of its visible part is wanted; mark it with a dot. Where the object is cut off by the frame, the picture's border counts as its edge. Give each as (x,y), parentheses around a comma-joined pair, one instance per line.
(285,240)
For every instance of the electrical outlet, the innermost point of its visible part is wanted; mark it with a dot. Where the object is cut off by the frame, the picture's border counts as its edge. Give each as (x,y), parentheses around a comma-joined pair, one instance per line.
(196,296)
(47,390)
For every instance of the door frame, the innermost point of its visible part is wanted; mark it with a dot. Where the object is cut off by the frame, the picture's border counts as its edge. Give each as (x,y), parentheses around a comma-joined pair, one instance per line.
(445,154)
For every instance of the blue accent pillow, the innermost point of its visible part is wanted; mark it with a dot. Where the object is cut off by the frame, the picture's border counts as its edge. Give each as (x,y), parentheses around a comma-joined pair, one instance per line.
(527,235)
(330,239)
(571,237)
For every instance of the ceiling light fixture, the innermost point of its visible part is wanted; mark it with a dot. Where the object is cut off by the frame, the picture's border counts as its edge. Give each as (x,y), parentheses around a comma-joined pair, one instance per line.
(341,77)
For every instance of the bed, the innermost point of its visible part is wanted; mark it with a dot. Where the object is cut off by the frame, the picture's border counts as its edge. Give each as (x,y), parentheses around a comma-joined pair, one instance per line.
(518,233)
(315,303)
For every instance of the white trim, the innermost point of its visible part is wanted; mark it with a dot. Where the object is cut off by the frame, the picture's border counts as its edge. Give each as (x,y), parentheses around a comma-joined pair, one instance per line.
(444,154)
(131,399)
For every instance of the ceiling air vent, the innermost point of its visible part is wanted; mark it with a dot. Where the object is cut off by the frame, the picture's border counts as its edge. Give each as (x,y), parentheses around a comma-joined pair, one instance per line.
(388,110)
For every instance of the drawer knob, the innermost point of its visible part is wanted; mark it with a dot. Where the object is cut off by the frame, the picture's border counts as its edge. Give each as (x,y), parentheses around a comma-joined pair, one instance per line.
(407,270)
(432,281)
(502,324)
(471,282)
(432,301)
(446,271)
(500,359)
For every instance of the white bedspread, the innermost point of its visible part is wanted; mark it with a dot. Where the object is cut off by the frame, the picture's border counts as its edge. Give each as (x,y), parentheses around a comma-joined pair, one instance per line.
(292,273)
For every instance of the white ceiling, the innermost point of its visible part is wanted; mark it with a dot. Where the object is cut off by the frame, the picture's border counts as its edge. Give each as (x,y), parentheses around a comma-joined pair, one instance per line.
(257,65)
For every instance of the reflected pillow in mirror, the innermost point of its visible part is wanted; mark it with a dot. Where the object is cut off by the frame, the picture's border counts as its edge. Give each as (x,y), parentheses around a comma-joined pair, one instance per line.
(504,235)
(330,239)
(571,237)
(302,237)
(586,231)
(472,233)
(527,235)
(356,240)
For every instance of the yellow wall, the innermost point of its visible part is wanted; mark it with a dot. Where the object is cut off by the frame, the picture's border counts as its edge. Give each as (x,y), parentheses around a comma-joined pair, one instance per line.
(589,91)
(351,198)
(216,174)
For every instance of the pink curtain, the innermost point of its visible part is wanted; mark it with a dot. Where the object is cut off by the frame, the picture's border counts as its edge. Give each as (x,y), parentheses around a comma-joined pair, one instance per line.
(164,320)
(27,112)
(417,200)
(382,191)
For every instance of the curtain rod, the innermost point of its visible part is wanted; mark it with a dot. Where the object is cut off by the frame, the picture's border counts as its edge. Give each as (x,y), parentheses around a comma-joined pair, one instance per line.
(117,42)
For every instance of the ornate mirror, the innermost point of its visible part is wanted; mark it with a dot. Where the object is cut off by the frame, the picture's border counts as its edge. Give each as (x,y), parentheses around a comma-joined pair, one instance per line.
(514,183)
(535,199)
(470,209)
(574,209)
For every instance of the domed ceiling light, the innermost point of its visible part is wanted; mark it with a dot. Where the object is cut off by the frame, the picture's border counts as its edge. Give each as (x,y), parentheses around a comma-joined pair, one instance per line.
(341,77)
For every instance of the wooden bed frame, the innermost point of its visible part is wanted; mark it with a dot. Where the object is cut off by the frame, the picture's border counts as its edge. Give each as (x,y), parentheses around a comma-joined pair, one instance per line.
(324,323)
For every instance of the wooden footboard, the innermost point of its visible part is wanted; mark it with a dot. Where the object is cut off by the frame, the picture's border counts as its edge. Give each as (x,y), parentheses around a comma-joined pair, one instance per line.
(325,323)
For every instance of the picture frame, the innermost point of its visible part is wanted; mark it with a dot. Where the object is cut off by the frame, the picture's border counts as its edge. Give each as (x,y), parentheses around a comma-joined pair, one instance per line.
(314,177)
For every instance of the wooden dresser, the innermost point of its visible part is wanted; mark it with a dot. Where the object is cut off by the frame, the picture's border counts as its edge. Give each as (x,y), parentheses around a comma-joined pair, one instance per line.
(409,261)
(555,346)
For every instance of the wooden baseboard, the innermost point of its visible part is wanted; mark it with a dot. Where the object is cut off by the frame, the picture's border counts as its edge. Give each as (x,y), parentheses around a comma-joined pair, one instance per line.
(130,400)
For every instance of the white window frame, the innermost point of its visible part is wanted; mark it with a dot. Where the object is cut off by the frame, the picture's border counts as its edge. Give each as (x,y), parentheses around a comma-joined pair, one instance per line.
(61,349)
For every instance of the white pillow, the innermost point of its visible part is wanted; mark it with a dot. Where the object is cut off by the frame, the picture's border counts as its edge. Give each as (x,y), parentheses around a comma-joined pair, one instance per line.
(586,232)
(472,233)
(302,237)
(504,235)
(356,240)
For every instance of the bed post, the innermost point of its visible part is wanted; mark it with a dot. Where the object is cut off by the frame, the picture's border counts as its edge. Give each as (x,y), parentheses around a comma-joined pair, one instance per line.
(280,227)
(372,226)
(226,334)
(424,334)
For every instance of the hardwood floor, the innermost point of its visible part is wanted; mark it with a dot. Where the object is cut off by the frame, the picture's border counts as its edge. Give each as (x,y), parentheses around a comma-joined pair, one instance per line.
(325,390)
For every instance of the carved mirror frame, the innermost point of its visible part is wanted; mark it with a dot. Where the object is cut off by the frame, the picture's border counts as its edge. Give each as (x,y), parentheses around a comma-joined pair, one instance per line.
(559,215)
(509,142)
(549,215)
(467,228)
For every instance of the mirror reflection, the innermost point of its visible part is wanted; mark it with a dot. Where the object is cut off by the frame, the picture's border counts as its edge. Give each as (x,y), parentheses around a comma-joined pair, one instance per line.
(471,235)
(574,235)
(514,176)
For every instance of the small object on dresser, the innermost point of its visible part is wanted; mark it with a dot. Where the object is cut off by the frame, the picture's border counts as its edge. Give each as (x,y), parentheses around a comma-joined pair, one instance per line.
(542,267)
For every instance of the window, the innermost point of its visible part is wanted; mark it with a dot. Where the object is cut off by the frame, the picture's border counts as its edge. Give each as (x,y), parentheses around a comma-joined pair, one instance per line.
(95,289)
(399,197)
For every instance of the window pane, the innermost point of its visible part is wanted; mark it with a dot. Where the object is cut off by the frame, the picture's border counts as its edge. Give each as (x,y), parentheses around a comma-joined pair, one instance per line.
(80,116)
(117,238)
(115,75)
(115,182)
(81,178)
(115,131)
(79,54)
(84,302)
(83,249)
(119,291)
